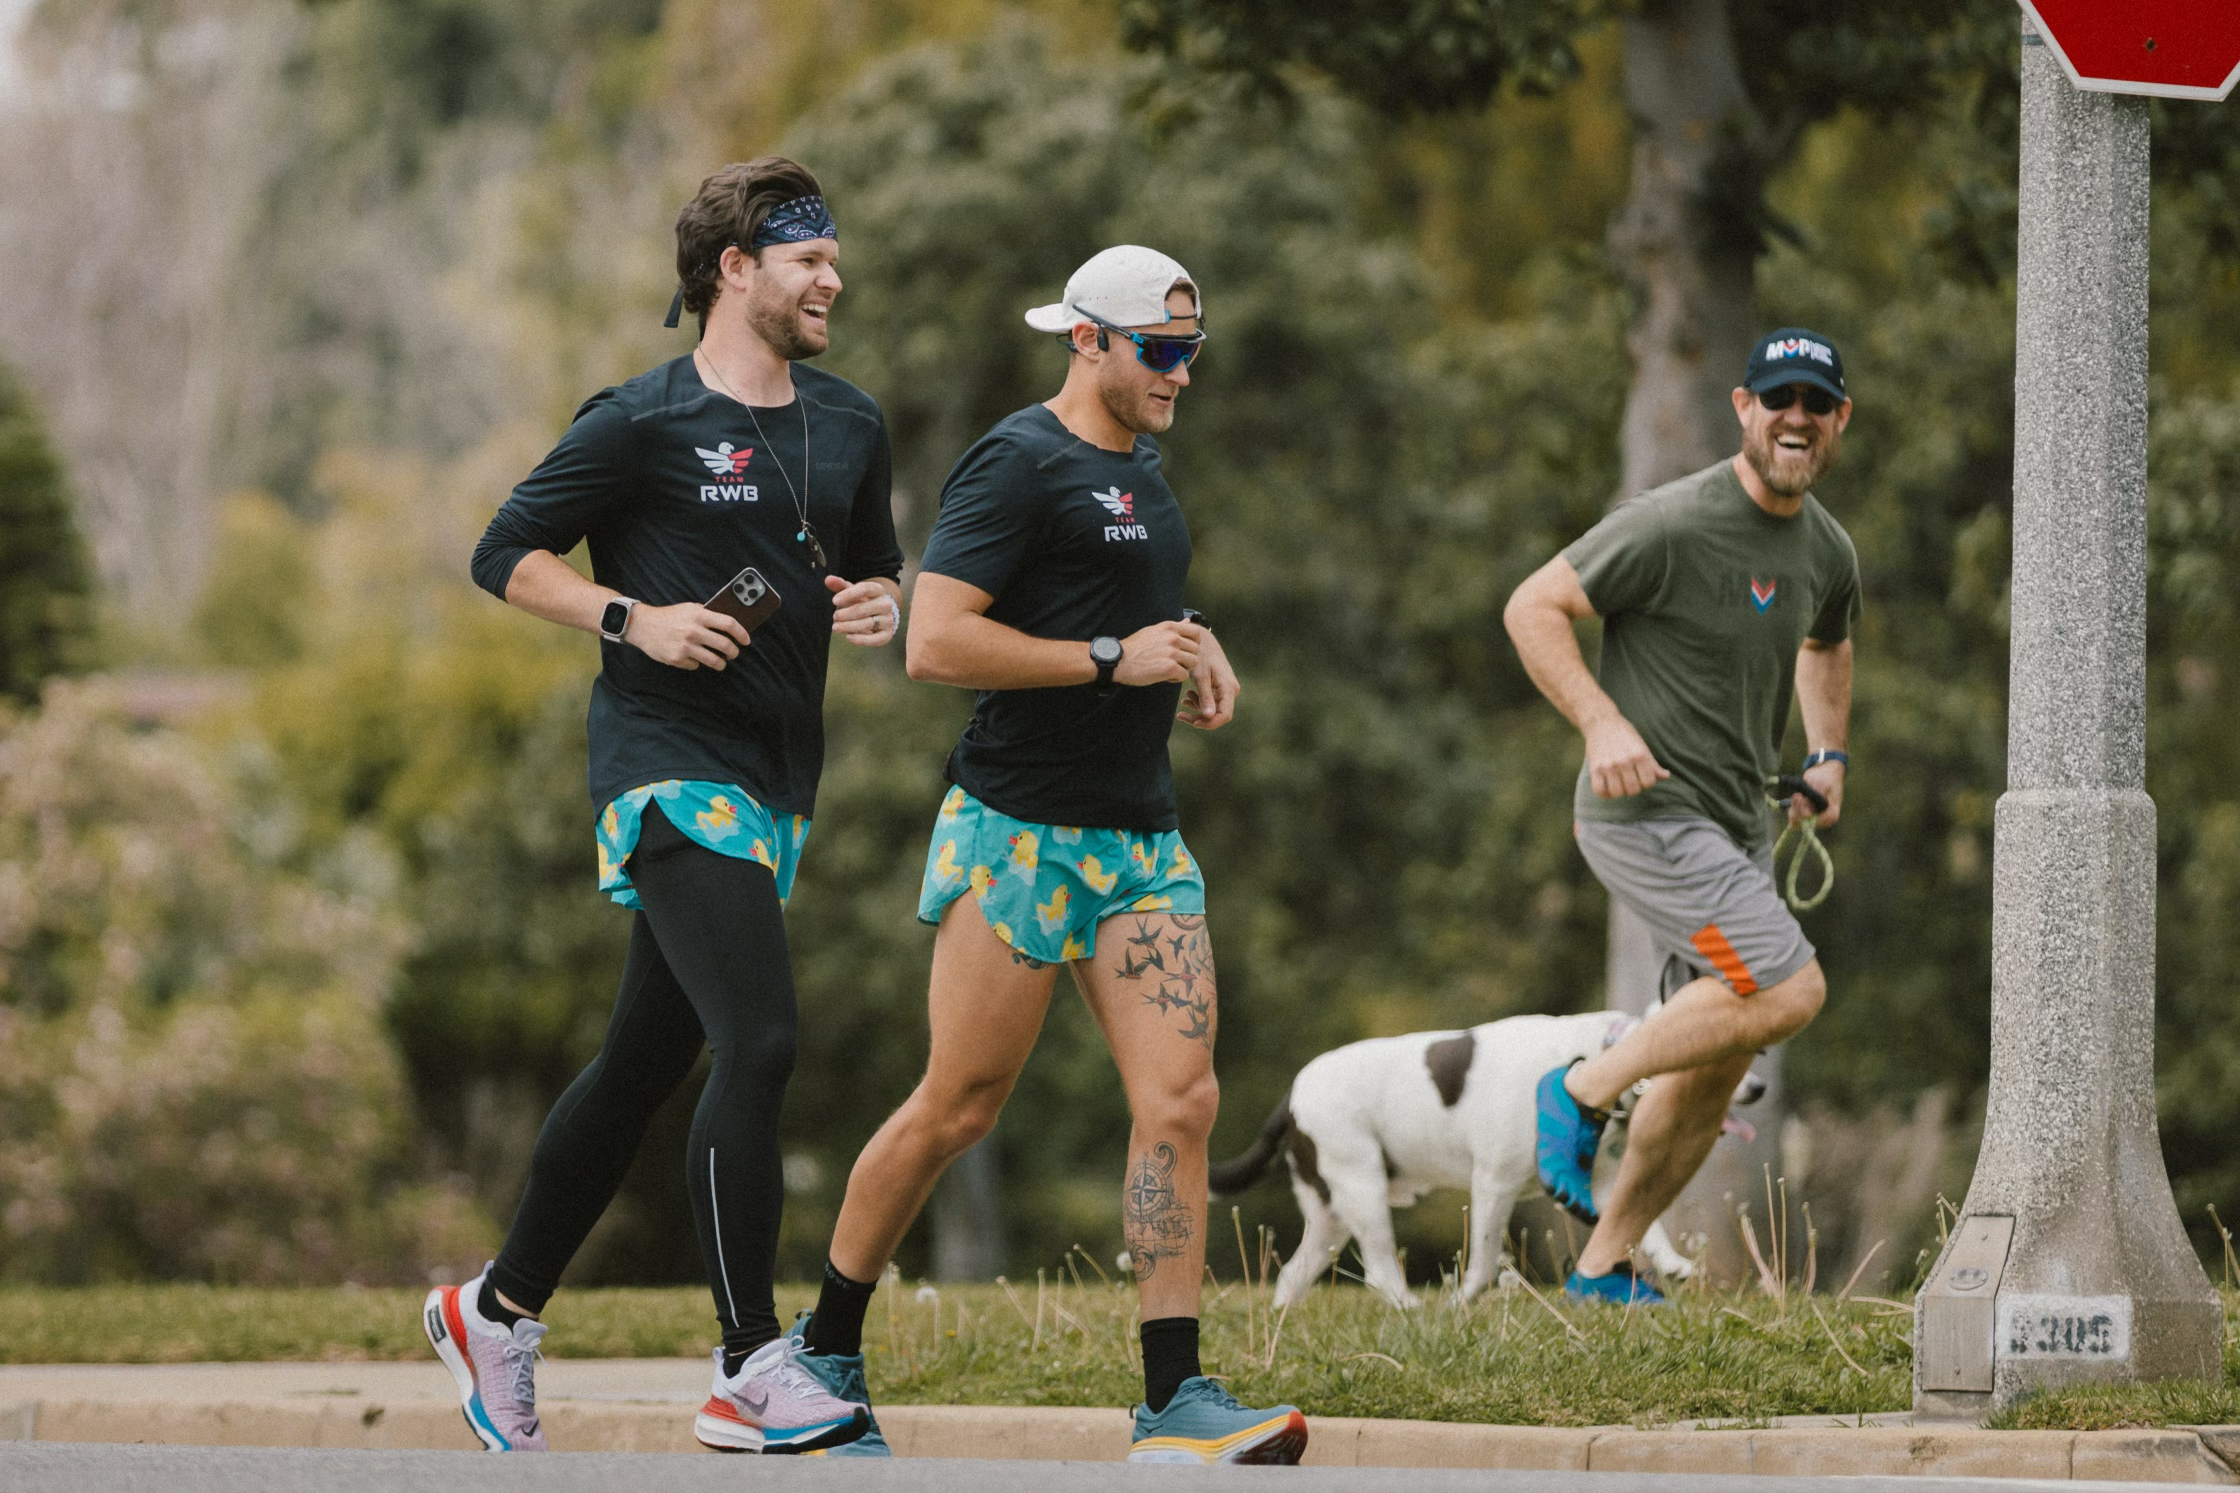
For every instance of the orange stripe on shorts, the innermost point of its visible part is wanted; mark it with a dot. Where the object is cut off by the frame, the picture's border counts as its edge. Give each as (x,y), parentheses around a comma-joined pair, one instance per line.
(1713,945)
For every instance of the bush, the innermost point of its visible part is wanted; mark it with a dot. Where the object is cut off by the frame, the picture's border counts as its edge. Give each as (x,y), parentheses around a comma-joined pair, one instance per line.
(194,1079)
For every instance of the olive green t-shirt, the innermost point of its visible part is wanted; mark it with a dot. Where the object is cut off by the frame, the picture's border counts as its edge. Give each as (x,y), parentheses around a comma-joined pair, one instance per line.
(1705,599)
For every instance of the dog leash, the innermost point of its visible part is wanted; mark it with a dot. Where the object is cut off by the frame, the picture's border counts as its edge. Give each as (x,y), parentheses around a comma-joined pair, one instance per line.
(1806,830)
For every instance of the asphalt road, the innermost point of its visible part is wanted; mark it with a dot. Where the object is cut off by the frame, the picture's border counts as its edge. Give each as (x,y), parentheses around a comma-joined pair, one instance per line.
(54,1467)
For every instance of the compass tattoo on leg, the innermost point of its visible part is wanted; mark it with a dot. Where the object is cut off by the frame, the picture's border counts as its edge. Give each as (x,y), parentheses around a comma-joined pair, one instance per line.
(1156,1223)
(1172,968)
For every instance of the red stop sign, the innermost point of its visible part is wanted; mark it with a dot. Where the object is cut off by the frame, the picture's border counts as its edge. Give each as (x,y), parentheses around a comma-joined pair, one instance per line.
(2175,48)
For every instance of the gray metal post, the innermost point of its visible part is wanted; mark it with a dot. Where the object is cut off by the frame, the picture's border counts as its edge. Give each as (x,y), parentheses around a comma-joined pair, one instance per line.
(2070,1264)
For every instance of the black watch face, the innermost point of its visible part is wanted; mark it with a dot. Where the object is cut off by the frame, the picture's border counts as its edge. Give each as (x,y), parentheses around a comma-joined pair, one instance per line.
(614,619)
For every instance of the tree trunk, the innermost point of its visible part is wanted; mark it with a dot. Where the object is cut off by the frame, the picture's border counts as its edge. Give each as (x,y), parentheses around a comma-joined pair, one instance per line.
(1688,241)
(1692,268)
(968,1236)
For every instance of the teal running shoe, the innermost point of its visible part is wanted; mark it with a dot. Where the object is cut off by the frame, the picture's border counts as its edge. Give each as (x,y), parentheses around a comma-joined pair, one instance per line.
(842,1375)
(1569,1133)
(1203,1425)
(1621,1287)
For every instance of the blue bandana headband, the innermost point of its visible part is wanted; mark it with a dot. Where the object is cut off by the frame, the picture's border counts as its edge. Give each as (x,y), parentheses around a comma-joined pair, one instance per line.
(798,221)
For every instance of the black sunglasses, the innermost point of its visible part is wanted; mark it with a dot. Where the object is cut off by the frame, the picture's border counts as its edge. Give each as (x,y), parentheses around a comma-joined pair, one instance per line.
(1159,354)
(1817,401)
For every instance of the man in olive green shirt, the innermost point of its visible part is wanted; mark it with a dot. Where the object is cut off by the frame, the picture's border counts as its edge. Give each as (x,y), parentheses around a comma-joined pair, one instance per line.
(1721,594)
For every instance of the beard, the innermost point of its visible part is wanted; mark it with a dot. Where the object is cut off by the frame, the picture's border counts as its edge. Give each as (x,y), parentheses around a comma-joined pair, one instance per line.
(781,324)
(1135,409)
(1791,473)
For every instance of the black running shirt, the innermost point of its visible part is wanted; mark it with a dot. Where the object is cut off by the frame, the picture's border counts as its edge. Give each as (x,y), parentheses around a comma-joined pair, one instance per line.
(1073,542)
(676,490)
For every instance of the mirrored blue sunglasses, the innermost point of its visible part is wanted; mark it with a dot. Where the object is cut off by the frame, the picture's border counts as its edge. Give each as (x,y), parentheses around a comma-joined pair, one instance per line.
(1159,354)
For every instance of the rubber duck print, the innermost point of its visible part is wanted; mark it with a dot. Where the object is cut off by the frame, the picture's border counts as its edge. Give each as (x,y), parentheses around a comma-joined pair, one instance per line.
(945,867)
(1098,878)
(1052,914)
(719,819)
(1026,852)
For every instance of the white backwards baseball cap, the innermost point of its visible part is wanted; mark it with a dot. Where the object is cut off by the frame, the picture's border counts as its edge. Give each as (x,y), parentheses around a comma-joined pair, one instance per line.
(1127,285)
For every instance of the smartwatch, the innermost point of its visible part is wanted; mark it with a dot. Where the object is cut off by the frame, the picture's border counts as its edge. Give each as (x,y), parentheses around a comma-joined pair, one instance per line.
(1105,654)
(1190,615)
(616,618)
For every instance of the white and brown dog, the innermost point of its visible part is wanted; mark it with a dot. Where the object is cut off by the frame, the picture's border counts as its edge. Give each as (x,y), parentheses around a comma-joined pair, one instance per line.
(1374,1125)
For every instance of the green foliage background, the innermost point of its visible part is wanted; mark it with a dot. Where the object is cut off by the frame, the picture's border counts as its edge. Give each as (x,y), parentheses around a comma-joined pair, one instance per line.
(1410,400)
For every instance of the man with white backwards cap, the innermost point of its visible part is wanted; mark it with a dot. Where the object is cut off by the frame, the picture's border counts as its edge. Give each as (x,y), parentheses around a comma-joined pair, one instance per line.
(1053,587)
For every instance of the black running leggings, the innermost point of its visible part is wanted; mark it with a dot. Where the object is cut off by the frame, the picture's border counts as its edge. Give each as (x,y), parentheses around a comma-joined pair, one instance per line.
(707,963)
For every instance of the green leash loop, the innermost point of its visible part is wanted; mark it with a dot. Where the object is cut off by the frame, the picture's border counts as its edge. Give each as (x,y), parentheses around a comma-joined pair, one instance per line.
(1807,832)
(1807,843)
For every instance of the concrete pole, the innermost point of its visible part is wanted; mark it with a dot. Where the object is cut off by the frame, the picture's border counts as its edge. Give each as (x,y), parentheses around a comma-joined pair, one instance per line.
(2069,1264)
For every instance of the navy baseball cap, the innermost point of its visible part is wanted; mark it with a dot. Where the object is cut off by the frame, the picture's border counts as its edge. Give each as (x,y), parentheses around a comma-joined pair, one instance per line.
(1794,355)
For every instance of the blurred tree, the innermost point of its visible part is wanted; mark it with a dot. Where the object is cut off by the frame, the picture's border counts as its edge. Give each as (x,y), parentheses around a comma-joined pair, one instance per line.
(46,614)
(193,1076)
(253,608)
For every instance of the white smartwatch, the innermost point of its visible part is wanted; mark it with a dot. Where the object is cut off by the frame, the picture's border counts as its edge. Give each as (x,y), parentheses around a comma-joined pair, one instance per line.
(615,620)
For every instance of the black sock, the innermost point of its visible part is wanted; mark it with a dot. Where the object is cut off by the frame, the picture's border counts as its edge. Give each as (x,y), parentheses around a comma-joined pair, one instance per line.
(740,1343)
(836,1326)
(1170,1355)
(493,1310)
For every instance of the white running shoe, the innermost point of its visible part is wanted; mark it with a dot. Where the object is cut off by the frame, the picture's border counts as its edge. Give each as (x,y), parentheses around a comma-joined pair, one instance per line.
(775,1405)
(496,1369)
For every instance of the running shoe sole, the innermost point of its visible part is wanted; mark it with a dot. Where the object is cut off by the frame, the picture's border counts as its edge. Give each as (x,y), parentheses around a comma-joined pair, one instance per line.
(439,1316)
(1279,1441)
(722,1428)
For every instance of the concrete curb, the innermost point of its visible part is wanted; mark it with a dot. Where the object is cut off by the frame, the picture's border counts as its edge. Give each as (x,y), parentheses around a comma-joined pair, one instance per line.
(347,1421)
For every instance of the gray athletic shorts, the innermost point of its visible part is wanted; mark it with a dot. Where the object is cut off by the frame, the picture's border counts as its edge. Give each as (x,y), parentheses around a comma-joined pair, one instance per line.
(1711,906)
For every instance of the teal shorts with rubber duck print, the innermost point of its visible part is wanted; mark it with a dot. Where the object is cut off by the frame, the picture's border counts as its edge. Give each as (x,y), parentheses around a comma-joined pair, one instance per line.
(1044,887)
(716,816)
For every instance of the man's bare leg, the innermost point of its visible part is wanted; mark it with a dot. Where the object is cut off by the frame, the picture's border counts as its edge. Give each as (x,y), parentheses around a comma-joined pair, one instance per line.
(1672,1130)
(1150,986)
(1704,1022)
(1702,1042)
(986,1005)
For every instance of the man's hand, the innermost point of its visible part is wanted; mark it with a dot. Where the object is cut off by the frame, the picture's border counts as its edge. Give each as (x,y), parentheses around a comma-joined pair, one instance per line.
(1619,762)
(1828,778)
(1163,653)
(863,612)
(1211,700)
(685,636)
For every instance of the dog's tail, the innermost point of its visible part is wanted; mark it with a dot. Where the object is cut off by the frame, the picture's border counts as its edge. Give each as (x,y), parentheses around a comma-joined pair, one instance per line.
(1240,1172)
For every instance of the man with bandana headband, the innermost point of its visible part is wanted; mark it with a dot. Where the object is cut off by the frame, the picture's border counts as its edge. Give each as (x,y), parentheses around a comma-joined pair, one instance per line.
(706,740)
(1721,595)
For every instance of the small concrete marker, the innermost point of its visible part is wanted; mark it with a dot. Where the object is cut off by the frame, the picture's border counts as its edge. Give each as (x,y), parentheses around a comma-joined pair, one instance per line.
(2096,1282)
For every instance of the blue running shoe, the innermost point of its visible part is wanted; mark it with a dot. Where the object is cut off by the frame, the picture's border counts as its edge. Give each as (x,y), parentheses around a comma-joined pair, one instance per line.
(1569,1133)
(1204,1425)
(1621,1287)
(842,1374)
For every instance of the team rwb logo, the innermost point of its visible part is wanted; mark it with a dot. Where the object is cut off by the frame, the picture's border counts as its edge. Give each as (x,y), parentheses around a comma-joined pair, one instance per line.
(1122,506)
(725,462)
(1761,593)
(1785,348)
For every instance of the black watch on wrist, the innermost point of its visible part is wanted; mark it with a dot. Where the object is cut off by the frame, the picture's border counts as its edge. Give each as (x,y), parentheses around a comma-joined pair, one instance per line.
(616,618)
(1105,654)
(1192,615)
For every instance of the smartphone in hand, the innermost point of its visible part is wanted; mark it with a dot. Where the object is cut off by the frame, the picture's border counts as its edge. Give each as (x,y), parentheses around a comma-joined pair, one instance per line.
(748,598)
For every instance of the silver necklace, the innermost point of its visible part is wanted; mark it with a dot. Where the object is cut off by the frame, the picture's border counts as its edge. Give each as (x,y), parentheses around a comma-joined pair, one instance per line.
(807,534)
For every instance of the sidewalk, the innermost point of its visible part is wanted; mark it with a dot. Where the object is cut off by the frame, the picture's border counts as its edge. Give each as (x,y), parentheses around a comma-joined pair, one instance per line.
(645,1405)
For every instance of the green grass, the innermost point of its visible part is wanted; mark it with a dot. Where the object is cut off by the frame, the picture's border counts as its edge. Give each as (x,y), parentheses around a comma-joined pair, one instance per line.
(1511,1357)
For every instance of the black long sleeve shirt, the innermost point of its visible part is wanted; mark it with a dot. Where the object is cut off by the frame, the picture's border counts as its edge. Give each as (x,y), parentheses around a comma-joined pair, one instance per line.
(676,489)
